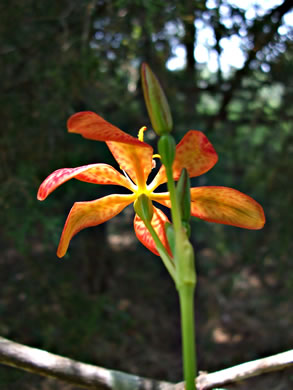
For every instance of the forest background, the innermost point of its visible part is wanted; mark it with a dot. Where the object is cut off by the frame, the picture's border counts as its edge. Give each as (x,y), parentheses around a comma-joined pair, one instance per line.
(110,302)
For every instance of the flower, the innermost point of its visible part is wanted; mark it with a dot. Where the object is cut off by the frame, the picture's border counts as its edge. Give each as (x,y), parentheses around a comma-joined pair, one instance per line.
(135,157)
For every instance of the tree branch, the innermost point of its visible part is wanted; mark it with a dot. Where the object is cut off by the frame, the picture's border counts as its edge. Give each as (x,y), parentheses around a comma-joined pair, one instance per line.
(260,39)
(92,377)
(84,375)
(245,371)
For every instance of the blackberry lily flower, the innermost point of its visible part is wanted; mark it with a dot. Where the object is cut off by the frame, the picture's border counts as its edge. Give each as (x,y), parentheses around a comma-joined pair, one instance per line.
(135,158)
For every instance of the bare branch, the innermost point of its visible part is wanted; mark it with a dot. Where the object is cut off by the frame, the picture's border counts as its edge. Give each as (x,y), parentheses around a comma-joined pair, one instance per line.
(245,371)
(84,375)
(92,377)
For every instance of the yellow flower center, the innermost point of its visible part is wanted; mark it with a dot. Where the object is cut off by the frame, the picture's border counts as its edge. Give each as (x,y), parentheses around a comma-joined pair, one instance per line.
(141,191)
(141,187)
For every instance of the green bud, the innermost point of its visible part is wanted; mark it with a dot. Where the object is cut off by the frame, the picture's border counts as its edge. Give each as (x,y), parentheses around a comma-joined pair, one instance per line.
(183,195)
(144,208)
(167,149)
(156,102)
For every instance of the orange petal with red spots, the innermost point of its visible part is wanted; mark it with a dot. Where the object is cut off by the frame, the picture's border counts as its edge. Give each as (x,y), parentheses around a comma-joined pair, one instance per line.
(227,206)
(132,155)
(195,153)
(92,126)
(93,213)
(158,222)
(94,173)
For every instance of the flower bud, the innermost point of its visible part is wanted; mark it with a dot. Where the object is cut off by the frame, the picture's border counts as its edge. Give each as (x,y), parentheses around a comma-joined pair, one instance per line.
(156,102)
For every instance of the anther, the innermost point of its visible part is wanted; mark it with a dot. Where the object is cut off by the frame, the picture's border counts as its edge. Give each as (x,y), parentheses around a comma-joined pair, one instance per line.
(154,162)
(140,133)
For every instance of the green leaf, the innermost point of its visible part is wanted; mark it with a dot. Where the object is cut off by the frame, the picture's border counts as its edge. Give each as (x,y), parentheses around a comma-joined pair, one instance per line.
(183,195)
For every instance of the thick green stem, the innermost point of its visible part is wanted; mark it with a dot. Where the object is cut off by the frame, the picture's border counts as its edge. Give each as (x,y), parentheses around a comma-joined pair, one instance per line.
(185,283)
(186,296)
(185,277)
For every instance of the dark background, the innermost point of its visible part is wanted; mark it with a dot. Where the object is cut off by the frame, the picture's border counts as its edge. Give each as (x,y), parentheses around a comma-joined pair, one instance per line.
(109,301)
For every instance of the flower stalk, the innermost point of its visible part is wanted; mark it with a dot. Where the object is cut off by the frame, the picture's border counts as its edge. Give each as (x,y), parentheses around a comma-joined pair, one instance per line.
(186,298)
(185,277)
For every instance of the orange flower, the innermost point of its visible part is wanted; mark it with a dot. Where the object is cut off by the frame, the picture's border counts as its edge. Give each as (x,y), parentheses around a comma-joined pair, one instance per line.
(135,157)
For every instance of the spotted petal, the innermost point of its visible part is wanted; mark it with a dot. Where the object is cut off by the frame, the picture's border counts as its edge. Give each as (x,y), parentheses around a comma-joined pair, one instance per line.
(132,155)
(195,153)
(93,213)
(94,173)
(158,222)
(227,206)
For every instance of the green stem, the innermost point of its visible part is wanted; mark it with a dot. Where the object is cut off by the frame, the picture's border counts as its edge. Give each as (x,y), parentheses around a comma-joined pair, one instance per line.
(185,277)
(185,283)
(175,210)
(186,296)
(168,262)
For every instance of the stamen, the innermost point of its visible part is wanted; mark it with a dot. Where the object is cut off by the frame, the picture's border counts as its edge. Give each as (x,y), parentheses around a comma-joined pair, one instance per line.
(140,133)
(154,162)
(128,178)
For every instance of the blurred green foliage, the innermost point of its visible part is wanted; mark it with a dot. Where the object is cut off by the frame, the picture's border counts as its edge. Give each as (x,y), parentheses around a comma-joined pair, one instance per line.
(58,58)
